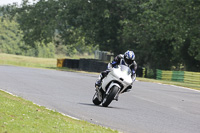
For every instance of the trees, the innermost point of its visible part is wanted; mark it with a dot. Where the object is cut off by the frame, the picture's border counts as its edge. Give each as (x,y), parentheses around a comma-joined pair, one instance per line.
(10,42)
(10,37)
(172,30)
(164,34)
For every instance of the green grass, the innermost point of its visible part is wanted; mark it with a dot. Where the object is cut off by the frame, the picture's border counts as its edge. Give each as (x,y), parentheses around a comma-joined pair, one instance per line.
(20,116)
(17,60)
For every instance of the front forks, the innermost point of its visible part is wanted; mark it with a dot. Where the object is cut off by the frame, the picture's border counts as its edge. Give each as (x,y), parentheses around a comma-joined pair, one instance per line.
(99,93)
(117,95)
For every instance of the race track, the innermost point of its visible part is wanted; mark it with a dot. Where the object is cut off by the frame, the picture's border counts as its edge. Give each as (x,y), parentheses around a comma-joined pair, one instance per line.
(148,108)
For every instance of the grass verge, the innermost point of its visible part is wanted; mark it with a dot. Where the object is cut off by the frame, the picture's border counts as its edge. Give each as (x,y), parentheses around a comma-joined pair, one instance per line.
(26,61)
(21,116)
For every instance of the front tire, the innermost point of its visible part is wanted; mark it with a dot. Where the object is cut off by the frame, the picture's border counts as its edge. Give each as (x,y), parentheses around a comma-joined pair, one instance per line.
(108,99)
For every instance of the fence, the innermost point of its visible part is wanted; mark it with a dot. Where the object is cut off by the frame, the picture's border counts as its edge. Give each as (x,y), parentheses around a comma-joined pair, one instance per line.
(192,77)
(179,76)
(92,65)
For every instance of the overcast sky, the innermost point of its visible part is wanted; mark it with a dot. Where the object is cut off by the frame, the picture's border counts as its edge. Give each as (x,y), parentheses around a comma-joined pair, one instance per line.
(6,2)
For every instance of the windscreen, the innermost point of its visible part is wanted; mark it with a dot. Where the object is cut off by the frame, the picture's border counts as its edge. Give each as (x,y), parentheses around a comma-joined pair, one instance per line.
(125,69)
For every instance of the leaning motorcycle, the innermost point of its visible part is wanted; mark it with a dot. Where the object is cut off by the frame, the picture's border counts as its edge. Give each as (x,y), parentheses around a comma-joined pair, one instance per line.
(116,82)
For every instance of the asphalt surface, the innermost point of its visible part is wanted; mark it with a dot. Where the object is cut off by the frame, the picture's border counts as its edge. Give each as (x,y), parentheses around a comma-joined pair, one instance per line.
(148,108)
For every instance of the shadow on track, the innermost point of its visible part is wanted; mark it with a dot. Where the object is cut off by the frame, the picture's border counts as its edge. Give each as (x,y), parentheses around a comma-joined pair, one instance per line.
(109,107)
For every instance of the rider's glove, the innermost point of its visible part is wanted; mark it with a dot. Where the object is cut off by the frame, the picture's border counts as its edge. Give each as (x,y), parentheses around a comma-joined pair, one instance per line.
(133,72)
(133,76)
(109,66)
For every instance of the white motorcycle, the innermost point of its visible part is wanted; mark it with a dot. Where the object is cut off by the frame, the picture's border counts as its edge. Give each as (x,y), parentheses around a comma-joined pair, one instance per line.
(116,82)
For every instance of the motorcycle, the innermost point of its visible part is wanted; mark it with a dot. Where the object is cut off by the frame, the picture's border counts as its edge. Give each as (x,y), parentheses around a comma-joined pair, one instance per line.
(116,82)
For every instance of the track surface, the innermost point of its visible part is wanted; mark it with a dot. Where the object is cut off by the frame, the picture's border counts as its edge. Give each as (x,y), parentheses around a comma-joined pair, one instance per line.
(148,108)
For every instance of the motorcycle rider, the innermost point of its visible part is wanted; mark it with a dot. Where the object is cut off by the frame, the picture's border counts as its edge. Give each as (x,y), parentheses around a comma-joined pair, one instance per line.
(128,59)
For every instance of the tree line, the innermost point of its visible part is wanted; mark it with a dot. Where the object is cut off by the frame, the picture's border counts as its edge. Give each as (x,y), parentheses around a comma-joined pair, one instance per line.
(164,34)
(11,42)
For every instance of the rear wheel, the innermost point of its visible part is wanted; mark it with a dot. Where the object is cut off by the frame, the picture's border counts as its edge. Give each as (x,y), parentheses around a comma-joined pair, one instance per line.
(108,98)
(95,99)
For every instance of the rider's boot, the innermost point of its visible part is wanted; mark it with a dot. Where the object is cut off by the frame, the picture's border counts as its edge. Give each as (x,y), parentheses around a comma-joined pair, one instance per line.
(99,80)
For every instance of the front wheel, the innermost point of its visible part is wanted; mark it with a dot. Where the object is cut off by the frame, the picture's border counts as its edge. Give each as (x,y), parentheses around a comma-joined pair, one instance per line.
(111,94)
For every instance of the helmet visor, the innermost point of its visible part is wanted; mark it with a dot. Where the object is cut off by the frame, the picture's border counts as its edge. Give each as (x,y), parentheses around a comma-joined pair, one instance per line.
(128,61)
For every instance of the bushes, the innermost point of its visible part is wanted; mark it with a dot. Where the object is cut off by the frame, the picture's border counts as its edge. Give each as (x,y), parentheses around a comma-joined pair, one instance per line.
(11,43)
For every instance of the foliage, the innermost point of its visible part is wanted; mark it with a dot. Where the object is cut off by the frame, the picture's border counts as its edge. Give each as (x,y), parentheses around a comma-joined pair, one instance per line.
(11,43)
(170,30)
(164,34)
(10,37)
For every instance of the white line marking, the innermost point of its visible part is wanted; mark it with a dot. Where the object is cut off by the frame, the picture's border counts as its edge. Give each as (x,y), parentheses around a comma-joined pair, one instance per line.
(180,87)
(185,88)
(173,86)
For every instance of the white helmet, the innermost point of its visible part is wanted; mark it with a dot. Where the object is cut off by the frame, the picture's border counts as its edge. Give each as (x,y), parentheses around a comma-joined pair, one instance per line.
(129,57)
